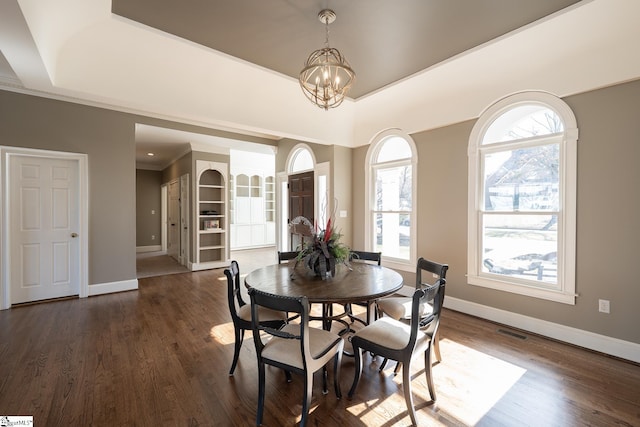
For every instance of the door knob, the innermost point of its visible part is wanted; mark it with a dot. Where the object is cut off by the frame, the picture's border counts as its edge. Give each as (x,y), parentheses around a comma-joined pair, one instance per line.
(74,235)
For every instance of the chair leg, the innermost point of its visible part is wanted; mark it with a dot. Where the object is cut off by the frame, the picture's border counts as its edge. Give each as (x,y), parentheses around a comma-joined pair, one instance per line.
(261,388)
(236,351)
(436,346)
(406,387)
(336,374)
(357,352)
(383,364)
(325,390)
(427,372)
(306,399)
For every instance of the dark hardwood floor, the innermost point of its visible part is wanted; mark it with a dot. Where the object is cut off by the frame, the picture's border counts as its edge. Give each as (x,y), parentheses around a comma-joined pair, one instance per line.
(159,356)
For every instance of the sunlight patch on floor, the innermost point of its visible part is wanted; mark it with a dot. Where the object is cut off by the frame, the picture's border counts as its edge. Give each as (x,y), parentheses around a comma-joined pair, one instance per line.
(468,385)
(223,333)
(475,381)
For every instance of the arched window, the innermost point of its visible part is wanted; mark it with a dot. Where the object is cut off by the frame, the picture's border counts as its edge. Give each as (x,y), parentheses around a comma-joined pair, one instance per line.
(391,194)
(522,192)
(301,160)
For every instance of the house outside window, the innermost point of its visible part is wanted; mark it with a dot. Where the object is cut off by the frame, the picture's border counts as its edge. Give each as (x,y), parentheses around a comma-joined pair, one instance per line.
(391,222)
(522,191)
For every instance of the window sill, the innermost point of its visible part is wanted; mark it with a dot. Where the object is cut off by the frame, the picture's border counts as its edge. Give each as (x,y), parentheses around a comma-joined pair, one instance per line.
(401,265)
(530,291)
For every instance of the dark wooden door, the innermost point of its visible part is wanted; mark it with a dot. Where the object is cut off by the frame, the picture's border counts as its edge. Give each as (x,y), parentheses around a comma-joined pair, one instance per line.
(300,201)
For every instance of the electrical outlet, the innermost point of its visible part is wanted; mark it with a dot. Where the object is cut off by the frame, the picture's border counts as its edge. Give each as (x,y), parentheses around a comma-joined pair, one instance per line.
(153,237)
(603,306)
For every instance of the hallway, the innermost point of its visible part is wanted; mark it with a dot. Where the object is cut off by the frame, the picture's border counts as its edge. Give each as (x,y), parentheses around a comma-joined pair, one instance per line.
(151,264)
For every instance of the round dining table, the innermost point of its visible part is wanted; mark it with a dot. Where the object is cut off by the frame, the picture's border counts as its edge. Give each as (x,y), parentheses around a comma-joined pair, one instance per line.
(355,283)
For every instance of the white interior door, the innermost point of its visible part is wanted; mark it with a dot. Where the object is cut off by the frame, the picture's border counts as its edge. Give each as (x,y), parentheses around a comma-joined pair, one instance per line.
(44,256)
(173,220)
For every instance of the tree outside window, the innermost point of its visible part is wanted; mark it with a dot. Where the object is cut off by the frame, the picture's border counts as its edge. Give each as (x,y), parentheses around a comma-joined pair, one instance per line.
(522,175)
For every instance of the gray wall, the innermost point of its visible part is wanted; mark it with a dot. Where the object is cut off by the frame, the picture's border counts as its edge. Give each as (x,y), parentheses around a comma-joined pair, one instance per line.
(608,202)
(107,137)
(148,199)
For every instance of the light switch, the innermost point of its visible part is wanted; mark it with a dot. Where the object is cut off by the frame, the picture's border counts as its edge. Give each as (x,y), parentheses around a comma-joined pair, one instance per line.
(343,214)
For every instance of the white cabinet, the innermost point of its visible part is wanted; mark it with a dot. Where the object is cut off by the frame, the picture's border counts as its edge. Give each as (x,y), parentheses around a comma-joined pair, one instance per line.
(253,210)
(212,240)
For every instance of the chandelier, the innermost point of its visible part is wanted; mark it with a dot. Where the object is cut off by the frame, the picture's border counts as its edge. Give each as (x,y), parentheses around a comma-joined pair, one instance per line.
(327,76)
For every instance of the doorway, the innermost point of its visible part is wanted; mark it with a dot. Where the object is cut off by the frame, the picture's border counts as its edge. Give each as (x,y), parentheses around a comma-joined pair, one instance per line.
(301,202)
(173,256)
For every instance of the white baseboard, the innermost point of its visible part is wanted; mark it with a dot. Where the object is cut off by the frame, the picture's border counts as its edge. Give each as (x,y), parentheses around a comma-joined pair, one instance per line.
(601,343)
(111,287)
(153,248)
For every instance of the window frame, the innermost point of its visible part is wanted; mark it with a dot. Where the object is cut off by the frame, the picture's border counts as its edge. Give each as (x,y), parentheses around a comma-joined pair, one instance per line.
(565,292)
(370,203)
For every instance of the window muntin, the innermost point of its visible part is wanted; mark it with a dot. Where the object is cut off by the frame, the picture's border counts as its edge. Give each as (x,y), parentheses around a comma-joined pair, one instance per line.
(522,198)
(391,207)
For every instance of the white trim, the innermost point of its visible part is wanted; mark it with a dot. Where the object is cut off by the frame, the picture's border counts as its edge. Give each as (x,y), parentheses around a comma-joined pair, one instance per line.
(185,230)
(152,248)
(111,287)
(282,210)
(601,343)
(164,201)
(322,169)
(198,266)
(83,217)
(566,218)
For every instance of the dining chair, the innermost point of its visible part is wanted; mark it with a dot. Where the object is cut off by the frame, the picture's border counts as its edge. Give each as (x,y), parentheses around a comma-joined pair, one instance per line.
(370,258)
(286,256)
(399,308)
(295,347)
(397,340)
(241,312)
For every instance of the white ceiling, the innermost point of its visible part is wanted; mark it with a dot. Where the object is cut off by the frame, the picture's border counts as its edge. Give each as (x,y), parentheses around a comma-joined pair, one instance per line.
(77,50)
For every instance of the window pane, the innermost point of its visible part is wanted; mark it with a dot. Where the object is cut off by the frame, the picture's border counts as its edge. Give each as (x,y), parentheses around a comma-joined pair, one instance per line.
(523,122)
(392,234)
(522,180)
(522,246)
(302,161)
(393,189)
(394,148)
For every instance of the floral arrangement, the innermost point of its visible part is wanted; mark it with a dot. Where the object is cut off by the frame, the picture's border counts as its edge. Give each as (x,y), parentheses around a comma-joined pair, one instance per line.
(323,250)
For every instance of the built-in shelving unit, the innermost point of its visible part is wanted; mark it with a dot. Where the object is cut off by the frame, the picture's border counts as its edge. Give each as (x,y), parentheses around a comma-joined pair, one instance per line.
(212,242)
(270,199)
